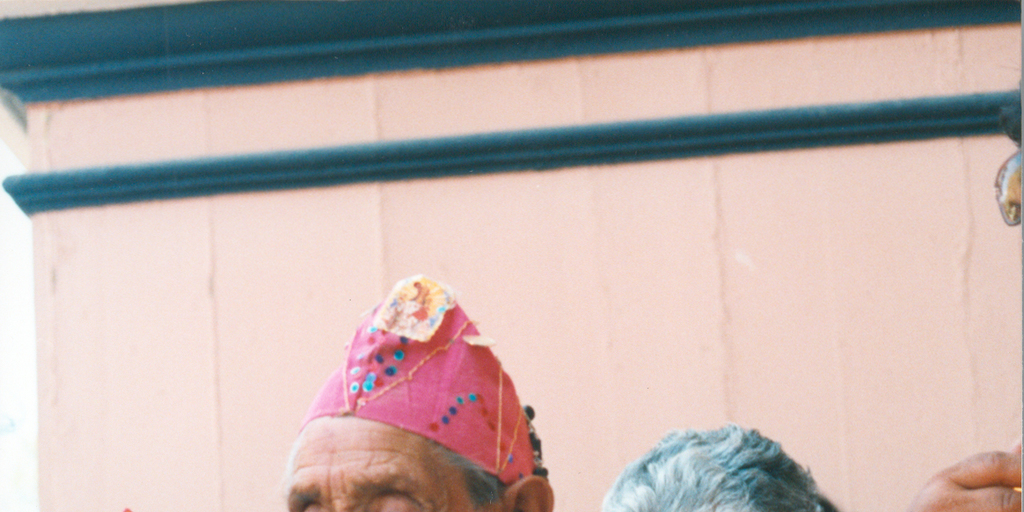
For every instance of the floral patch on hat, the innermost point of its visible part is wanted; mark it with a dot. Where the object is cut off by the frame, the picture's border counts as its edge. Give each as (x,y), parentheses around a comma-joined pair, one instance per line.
(414,308)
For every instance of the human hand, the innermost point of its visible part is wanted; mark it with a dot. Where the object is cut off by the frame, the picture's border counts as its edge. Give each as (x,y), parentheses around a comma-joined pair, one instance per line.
(984,482)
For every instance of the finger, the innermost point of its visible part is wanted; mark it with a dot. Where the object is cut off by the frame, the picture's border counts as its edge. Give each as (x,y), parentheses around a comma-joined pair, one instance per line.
(994,499)
(987,470)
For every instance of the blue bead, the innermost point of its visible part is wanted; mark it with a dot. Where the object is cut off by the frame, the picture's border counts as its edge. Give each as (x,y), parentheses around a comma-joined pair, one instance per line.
(472,397)
(510,458)
(354,387)
(390,370)
(379,358)
(404,340)
(370,377)
(445,420)
(452,411)
(355,370)
(460,400)
(368,386)
(399,355)
(372,329)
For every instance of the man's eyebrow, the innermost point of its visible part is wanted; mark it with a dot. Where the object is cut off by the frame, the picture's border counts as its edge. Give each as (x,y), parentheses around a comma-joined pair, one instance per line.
(361,488)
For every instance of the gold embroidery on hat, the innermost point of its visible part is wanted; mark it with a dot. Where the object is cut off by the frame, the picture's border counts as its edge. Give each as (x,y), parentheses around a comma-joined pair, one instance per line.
(412,371)
(497,448)
(344,376)
(515,435)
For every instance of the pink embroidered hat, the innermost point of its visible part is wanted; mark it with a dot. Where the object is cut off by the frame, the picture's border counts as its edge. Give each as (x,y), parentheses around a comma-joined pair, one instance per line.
(418,363)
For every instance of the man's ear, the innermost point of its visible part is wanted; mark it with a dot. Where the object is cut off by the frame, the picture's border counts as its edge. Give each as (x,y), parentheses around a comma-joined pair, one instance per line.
(529,494)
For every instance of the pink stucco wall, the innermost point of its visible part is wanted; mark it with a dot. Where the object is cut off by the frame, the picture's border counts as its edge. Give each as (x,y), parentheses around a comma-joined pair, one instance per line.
(861,304)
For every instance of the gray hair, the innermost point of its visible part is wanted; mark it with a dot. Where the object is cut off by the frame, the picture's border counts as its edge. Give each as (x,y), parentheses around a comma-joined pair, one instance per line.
(483,488)
(730,469)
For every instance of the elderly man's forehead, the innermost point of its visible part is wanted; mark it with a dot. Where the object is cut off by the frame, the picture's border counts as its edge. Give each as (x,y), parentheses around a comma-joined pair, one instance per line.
(375,449)
(352,461)
(326,436)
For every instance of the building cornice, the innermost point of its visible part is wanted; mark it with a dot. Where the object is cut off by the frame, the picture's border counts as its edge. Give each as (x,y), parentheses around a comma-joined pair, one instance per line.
(603,144)
(208,44)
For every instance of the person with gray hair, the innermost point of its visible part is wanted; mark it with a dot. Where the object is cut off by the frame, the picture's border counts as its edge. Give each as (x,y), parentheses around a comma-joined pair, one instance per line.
(730,469)
(738,470)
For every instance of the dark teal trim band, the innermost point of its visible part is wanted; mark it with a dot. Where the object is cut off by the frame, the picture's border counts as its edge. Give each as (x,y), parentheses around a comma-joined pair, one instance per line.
(235,43)
(927,118)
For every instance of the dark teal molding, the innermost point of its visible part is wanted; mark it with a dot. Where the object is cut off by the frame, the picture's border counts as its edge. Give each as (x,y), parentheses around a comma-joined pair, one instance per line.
(686,137)
(207,44)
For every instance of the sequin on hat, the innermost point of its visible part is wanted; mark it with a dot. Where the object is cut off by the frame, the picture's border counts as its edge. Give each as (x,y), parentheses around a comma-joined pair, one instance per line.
(409,365)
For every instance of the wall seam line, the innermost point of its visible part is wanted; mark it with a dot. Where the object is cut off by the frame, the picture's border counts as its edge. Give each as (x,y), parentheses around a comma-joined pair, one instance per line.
(215,346)
(44,474)
(378,188)
(607,329)
(966,258)
(728,357)
(383,286)
(214,315)
(718,237)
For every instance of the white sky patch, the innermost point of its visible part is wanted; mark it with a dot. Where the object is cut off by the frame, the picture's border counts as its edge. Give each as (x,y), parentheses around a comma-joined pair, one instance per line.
(19,410)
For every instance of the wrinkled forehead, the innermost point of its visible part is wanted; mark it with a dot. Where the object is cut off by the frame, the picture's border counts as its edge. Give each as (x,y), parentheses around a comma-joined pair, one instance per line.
(353,451)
